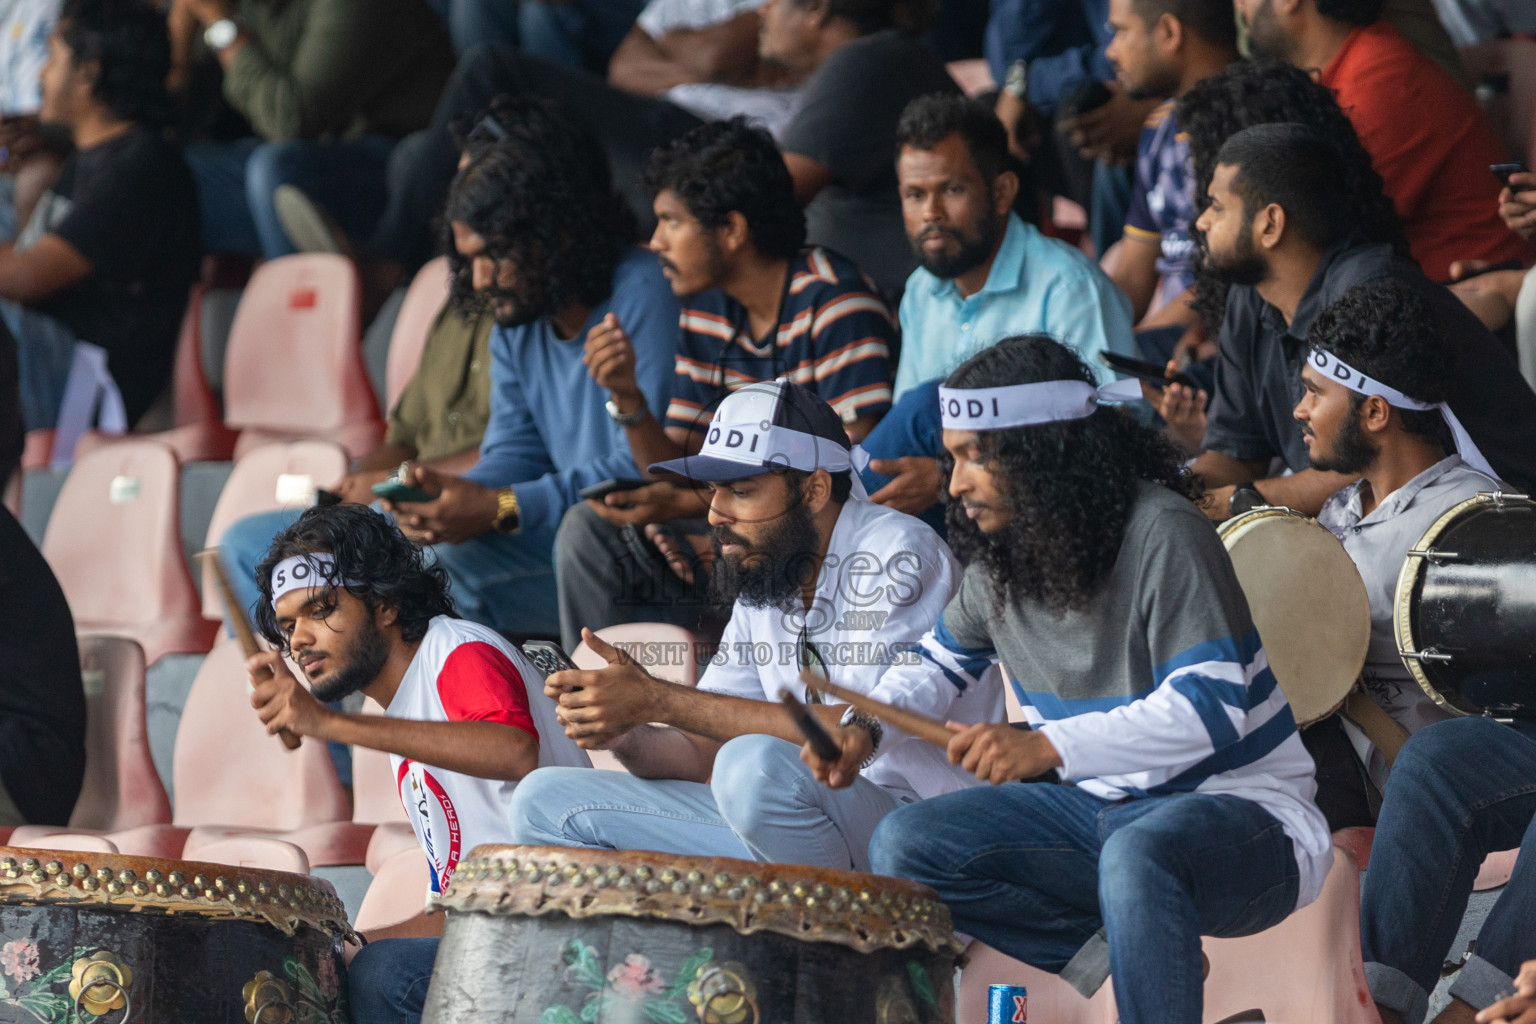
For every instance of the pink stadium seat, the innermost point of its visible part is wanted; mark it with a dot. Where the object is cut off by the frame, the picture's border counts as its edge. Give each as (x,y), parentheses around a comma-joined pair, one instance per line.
(261,852)
(74,841)
(114,542)
(671,658)
(1050,998)
(294,366)
(273,476)
(375,797)
(398,891)
(38,449)
(389,839)
(423,301)
(121,789)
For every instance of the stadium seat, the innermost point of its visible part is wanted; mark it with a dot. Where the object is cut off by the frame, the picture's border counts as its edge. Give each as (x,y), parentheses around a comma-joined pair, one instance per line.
(38,449)
(294,366)
(376,802)
(423,301)
(114,543)
(666,651)
(121,789)
(398,891)
(272,476)
(78,842)
(261,852)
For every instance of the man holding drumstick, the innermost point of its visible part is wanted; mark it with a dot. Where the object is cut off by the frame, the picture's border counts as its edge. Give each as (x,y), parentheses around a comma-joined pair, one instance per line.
(1108,595)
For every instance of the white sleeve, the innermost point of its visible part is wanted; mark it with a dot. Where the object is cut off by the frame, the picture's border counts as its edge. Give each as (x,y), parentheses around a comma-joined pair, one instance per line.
(728,671)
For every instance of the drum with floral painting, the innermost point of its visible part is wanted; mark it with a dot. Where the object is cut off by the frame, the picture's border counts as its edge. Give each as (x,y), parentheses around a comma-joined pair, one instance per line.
(95,937)
(547,935)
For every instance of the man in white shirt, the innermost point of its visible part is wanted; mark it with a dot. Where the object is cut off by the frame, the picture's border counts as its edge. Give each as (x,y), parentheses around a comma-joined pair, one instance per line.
(818,577)
(356,607)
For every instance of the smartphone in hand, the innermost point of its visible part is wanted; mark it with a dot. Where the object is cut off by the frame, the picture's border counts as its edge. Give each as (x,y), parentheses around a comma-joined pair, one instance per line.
(396,489)
(1503,171)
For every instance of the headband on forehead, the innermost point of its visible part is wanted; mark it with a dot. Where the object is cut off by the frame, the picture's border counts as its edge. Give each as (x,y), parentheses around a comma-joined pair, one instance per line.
(754,444)
(1340,372)
(301,572)
(1026,405)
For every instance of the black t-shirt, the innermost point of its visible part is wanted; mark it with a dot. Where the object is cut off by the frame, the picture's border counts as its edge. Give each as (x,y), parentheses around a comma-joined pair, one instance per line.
(1258,368)
(129,207)
(42,702)
(847,123)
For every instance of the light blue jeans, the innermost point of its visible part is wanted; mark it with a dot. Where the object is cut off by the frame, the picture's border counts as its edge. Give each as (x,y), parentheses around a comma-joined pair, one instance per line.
(761,803)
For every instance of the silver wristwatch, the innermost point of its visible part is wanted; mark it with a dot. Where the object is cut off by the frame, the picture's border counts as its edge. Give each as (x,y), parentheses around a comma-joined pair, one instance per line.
(221,34)
(626,419)
(870,724)
(1016,81)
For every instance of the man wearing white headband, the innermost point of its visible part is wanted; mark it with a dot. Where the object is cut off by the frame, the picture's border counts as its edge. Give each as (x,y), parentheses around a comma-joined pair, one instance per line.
(1091,574)
(358,609)
(817,577)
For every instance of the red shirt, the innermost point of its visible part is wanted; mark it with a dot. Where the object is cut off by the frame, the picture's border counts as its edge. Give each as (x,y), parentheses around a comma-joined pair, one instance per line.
(1431,145)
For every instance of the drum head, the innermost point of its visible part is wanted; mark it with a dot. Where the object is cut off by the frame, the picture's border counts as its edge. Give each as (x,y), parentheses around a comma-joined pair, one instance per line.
(1308,602)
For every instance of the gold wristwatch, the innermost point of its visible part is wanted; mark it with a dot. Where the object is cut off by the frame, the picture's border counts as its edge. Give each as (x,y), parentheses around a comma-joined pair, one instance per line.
(506,511)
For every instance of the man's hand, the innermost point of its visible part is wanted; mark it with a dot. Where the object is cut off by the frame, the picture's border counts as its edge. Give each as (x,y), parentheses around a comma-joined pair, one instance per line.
(357,488)
(1519,1008)
(856,745)
(1184,411)
(653,503)
(596,707)
(1517,205)
(915,488)
(610,360)
(21,136)
(1020,122)
(462,509)
(678,560)
(996,752)
(282,702)
(1109,132)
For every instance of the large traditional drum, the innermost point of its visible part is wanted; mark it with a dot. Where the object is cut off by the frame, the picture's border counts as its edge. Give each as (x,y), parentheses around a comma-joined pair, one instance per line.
(1465,608)
(1308,602)
(88,937)
(549,935)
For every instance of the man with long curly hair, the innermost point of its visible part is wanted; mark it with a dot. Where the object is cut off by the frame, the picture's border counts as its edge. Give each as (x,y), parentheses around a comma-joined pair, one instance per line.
(360,609)
(1099,584)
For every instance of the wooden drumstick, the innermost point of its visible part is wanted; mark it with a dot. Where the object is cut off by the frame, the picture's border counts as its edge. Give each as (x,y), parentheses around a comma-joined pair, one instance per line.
(921,726)
(243,631)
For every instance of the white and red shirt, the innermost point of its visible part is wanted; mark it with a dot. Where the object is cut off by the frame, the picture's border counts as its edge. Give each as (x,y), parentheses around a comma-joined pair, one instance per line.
(465,672)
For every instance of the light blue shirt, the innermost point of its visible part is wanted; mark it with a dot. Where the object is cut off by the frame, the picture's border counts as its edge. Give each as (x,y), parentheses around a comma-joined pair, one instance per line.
(1036,285)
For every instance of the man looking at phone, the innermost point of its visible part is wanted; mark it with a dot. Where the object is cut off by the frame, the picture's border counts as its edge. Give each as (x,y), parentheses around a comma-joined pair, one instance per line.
(817,577)
(360,609)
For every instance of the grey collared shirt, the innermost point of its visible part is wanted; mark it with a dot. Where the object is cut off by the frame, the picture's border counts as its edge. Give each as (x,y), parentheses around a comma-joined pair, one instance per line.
(1378,543)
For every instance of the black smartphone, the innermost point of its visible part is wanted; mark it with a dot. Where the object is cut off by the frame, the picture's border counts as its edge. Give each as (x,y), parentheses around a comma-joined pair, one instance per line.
(1087,97)
(548,657)
(1143,370)
(1503,171)
(603,488)
(396,489)
(820,740)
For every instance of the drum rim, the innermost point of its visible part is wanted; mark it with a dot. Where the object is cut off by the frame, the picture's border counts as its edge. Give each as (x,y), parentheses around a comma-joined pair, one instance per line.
(799,901)
(1412,573)
(1253,515)
(227,892)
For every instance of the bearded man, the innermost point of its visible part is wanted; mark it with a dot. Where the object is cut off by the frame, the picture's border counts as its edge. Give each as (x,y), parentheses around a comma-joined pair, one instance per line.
(817,577)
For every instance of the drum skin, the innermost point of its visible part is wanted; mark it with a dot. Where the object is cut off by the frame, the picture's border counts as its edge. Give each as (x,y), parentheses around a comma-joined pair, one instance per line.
(1469,593)
(599,937)
(133,938)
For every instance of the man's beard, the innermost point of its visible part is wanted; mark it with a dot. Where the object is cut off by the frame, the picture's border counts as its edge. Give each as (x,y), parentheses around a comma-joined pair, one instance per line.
(1245,267)
(364,656)
(973,251)
(1352,450)
(1160,81)
(528,305)
(787,558)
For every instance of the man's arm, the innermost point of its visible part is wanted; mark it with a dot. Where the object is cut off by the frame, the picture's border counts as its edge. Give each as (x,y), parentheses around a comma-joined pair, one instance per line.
(1304,491)
(725,53)
(809,176)
(1132,264)
(46,268)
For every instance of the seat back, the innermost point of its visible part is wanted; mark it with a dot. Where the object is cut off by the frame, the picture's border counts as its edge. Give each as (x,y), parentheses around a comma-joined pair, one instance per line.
(121,788)
(398,891)
(375,796)
(228,771)
(274,476)
(423,301)
(76,842)
(294,361)
(114,542)
(664,650)
(193,399)
(262,852)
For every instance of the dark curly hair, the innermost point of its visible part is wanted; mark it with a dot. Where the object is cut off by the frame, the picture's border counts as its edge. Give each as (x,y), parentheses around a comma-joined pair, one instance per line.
(725,167)
(914,16)
(538,189)
(1351,12)
(1251,92)
(1388,332)
(379,566)
(1070,485)
(929,120)
(131,46)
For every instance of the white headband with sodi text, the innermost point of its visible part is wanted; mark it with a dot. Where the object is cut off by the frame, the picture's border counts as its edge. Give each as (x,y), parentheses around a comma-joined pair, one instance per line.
(754,444)
(301,572)
(1330,366)
(1027,405)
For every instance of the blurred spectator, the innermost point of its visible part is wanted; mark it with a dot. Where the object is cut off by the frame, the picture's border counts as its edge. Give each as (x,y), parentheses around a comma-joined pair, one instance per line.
(328,86)
(42,701)
(1426,136)
(12,437)
(111,250)
(577,33)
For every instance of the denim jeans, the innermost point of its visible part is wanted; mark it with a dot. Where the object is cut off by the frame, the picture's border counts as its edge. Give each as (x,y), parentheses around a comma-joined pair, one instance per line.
(576,33)
(1459,790)
(45,350)
(1085,888)
(761,803)
(236,181)
(387,982)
